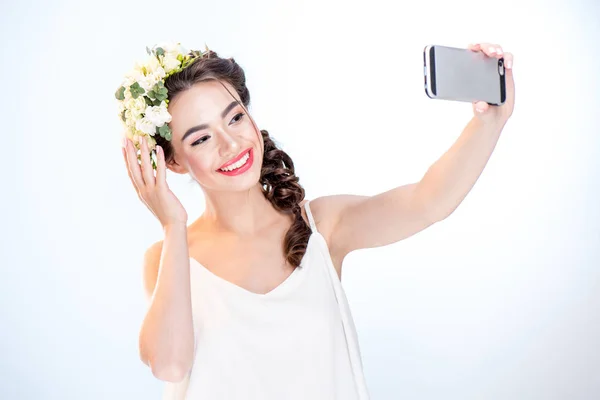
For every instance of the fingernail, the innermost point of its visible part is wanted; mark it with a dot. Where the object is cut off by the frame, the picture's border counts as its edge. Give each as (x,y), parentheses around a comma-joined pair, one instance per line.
(158,149)
(509,64)
(479,110)
(124,142)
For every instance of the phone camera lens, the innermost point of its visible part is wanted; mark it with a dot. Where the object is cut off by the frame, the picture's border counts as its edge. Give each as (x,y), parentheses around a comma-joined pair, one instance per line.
(500,63)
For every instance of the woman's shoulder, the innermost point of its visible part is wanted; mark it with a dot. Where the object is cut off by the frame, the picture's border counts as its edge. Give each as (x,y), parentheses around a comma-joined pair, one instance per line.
(323,210)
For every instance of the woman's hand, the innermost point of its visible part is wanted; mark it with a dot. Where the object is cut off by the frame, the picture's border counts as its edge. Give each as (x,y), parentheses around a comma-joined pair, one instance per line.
(153,191)
(496,114)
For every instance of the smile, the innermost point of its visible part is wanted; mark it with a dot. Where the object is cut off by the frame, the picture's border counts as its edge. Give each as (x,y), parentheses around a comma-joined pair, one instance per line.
(240,166)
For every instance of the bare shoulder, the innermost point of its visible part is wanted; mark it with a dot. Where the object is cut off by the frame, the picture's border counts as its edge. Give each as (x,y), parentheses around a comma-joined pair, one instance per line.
(326,211)
(150,267)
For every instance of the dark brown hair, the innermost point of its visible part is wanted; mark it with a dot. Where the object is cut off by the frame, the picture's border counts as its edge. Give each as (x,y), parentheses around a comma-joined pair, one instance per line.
(277,176)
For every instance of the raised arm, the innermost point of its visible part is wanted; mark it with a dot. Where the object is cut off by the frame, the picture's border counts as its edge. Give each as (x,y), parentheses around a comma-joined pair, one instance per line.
(166,339)
(371,221)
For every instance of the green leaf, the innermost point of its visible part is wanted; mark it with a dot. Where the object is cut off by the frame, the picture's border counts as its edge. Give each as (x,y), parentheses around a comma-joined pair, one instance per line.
(156,102)
(123,116)
(120,93)
(148,101)
(164,131)
(160,51)
(136,90)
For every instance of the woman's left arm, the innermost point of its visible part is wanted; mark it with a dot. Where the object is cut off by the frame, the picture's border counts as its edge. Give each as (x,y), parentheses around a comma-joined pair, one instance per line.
(372,221)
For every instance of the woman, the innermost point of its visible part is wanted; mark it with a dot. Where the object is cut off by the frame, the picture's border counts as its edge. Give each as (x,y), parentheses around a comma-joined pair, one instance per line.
(246,302)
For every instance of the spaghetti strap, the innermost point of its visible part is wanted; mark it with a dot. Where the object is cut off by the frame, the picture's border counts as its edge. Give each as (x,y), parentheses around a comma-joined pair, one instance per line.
(313,226)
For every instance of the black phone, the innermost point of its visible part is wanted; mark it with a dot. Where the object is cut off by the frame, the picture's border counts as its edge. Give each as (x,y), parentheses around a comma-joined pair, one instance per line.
(463,75)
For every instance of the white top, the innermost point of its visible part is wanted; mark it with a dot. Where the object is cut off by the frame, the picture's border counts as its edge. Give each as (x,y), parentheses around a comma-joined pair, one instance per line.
(297,341)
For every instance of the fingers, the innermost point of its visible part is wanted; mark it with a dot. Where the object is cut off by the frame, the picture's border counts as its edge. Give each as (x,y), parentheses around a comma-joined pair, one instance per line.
(124,151)
(508,76)
(147,171)
(133,168)
(489,49)
(496,51)
(481,106)
(508,60)
(160,167)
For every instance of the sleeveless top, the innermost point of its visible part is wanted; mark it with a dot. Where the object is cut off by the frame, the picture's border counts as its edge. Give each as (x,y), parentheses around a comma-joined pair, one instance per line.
(297,341)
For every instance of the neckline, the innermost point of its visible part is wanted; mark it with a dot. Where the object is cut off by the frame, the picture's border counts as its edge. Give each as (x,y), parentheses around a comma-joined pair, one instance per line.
(285,283)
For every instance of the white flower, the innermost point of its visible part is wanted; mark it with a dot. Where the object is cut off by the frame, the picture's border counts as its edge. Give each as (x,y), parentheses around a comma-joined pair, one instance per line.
(147,82)
(151,65)
(147,74)
(151,142)
(136,106)
(154,68)
(127,93)
(158,115)
(121,107)
(130,119)
(139,118)
(170,63)
(127,81)
(146,126)
(172,49)
(135,74)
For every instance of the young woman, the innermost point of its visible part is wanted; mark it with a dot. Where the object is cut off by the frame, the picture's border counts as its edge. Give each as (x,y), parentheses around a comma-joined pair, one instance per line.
(246,302)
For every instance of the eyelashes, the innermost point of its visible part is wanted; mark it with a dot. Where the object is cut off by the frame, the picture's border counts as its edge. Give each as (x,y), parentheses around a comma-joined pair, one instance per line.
(201,140)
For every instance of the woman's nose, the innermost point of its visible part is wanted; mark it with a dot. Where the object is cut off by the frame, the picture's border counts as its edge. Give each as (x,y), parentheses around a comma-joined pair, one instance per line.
(230,146)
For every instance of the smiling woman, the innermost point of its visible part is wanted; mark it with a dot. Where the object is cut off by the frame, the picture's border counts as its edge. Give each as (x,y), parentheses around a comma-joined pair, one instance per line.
(246,302)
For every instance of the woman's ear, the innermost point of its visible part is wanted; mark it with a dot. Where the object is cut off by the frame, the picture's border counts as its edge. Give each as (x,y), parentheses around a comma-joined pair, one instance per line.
(178,169)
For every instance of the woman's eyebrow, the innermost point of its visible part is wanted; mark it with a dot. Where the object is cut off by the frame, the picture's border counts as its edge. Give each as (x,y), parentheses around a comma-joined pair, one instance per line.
(204,126)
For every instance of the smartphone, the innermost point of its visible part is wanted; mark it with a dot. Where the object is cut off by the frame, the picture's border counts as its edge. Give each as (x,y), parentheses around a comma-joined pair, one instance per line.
(463,75)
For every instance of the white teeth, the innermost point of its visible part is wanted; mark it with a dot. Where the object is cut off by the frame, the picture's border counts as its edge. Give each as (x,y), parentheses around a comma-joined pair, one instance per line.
(238,164)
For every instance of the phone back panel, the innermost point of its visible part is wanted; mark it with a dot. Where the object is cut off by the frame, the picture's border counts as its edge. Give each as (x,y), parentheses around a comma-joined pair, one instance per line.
(464,75)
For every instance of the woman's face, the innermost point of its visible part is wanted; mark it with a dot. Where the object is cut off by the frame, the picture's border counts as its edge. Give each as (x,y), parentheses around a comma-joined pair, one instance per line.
(209,129)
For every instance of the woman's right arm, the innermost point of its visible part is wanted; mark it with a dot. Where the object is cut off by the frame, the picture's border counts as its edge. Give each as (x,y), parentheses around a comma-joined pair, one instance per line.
(166,340)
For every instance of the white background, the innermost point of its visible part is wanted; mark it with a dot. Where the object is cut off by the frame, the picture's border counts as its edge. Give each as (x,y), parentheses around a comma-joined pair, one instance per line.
(499,301)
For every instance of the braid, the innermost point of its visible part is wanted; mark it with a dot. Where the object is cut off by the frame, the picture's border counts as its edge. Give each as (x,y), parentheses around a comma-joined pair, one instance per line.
(281,188)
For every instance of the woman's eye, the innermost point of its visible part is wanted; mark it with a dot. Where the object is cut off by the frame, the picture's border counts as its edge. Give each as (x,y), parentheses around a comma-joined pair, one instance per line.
(241,115)
(201,140)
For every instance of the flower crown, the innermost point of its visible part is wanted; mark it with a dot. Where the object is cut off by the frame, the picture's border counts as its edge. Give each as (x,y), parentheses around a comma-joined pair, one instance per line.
(143,98)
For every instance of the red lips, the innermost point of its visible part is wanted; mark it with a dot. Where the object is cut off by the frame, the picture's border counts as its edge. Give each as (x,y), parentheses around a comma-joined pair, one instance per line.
(228,163)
